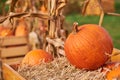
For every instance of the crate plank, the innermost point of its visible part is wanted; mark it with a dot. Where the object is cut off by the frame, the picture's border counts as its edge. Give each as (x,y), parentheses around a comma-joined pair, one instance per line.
(12,40)
(15,60)
(14,51)
(10,74)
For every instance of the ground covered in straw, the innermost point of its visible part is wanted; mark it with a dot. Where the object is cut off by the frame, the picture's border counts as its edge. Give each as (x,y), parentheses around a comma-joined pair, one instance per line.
(59,69)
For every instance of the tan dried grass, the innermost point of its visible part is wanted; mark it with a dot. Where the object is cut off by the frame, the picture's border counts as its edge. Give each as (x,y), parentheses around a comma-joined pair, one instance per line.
(59,69)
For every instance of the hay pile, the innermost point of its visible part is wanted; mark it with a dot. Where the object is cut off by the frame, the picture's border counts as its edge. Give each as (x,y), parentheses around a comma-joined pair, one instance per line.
(59,69)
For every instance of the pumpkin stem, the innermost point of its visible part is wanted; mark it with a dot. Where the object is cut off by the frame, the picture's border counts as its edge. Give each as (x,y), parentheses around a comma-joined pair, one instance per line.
(75,27)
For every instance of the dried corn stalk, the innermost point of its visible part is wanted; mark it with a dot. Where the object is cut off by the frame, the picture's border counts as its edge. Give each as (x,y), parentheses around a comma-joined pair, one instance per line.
(55,26)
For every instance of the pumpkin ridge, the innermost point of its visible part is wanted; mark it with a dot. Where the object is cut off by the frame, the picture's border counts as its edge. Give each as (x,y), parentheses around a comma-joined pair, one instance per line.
(71,51)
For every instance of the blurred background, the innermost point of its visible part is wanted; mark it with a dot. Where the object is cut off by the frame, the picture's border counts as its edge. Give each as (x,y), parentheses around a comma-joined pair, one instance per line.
(73,12)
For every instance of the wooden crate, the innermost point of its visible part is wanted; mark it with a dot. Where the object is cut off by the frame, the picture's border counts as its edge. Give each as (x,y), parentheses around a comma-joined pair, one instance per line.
(10,74)
(13,47)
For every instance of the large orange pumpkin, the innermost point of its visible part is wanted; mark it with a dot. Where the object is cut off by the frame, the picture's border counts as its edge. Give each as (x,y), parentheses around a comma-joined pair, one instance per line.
(88,46)
(35,57)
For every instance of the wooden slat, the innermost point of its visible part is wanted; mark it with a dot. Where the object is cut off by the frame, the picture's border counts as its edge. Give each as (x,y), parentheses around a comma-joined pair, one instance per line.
(10,61)
(11,74)
(14,51)
(12,40)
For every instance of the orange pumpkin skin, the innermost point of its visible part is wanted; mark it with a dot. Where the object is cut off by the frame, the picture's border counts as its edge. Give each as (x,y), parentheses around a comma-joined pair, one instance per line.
(43,9)
(21,29)
(87,47)
(114,73)
(1,28)
(35,57)
(6,32)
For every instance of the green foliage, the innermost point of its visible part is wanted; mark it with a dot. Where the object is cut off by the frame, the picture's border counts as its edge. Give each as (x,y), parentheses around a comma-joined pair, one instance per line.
(117,6)
(3,7)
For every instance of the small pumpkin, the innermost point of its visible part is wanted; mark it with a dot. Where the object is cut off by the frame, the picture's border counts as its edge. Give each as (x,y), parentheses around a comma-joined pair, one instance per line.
(21,28)
(43,8)
(6,32)
(35,57)
(88,46)
(113,70)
